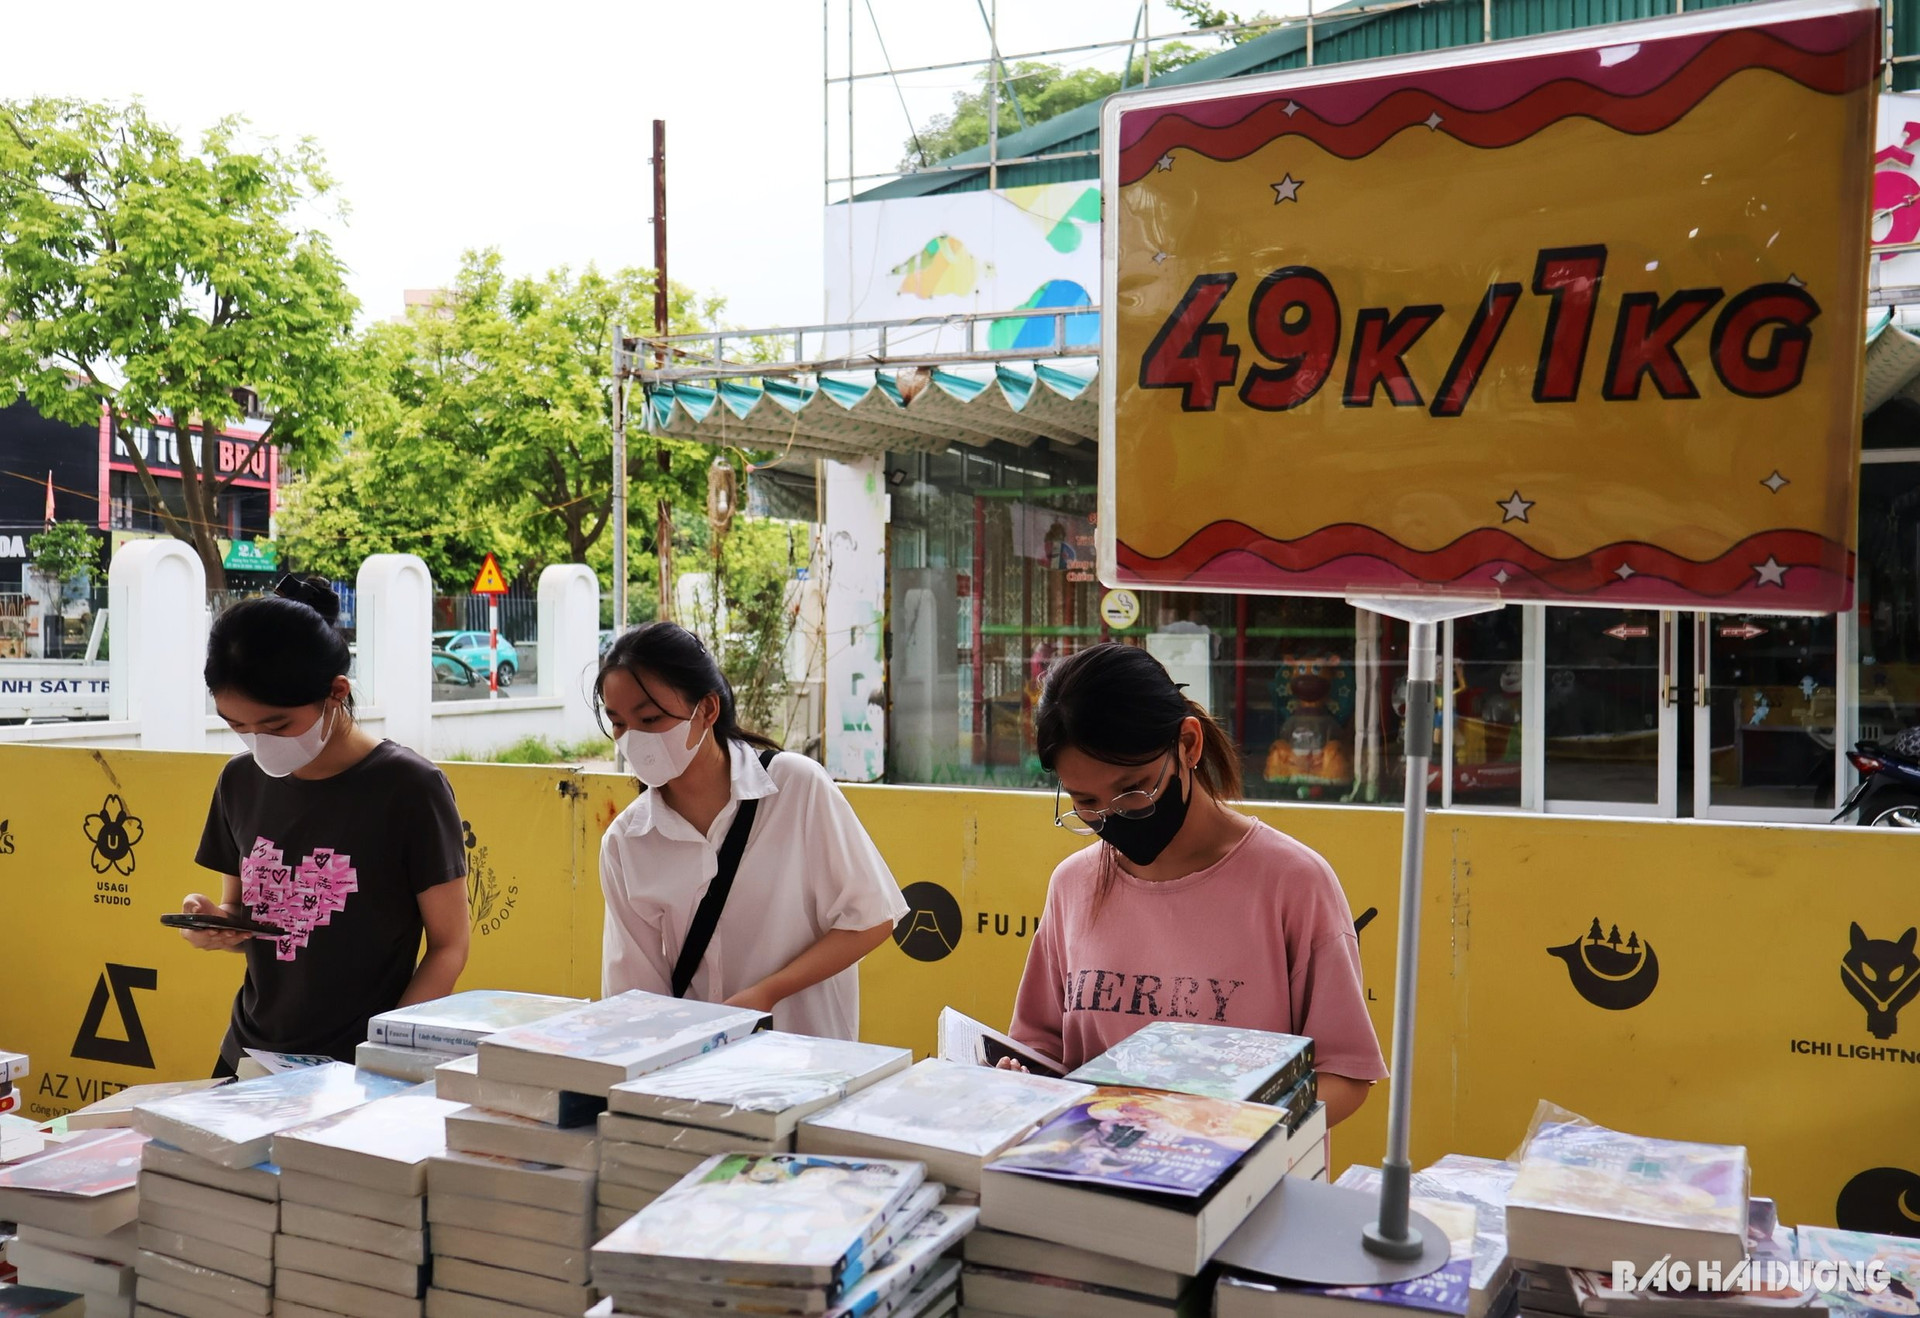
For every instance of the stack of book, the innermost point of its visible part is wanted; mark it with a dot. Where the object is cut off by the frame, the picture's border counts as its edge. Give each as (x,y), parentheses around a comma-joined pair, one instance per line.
(585,1051)
(509,1237)
(38,1302)
(13,1069)
(115,1112)
(210,1201)
(746,1098)
(1119,1204)
(786,1232)
(948,1115)
(1899,1255)
(74,1205)
(365,1257)
(410,1042)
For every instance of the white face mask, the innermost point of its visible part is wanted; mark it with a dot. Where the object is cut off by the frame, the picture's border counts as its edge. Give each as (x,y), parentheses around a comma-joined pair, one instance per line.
(280,756)
(657,758)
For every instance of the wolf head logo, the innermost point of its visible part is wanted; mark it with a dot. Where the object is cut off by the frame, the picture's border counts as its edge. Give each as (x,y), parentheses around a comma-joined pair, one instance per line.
(1883,975)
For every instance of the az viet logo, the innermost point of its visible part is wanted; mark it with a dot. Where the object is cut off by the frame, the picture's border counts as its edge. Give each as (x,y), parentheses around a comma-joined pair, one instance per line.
(1609,971)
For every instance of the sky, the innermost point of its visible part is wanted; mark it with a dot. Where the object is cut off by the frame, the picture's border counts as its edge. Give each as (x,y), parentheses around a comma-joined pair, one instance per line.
(529,127)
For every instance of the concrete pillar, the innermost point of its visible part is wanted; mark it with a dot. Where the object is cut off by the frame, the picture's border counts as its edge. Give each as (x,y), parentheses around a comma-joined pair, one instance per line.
(570,645)
(853,567)
(394,646)
(157,643)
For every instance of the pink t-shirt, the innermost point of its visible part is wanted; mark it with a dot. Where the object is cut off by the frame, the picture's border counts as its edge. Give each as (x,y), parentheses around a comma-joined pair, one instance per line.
(1262,939)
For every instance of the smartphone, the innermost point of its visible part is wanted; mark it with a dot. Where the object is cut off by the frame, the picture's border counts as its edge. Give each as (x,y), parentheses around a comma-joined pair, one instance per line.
(225,924)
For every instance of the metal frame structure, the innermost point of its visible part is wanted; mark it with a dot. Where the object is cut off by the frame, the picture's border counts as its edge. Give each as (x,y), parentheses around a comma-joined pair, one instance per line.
(679,358)
(1143,40)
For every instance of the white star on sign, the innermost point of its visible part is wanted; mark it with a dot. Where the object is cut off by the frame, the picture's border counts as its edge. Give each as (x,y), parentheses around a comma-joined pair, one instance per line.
(1624,571)
(1165,162)
(1796,281)
(1501,576)
(1291,110)
(1776,482)
(1434,120)
(1159,257)
(1771,573)
(1287,189)
(1515,508)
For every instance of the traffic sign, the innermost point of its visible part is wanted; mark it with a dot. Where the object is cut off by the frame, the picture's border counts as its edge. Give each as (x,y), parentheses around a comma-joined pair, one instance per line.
(491,581)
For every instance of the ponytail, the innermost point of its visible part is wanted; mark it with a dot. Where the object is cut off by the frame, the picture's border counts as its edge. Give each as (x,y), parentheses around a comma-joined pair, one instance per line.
(1219,767)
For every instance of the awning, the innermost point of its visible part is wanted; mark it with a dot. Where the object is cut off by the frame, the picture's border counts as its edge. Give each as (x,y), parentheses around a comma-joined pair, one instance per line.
(873,412)
(1893,363)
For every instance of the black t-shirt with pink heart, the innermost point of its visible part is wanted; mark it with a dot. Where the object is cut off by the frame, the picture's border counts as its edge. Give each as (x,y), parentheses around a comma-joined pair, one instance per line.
(338,863)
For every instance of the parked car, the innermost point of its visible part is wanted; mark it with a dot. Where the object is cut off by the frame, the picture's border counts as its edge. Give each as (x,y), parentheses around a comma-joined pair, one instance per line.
(471,648)
(451,670)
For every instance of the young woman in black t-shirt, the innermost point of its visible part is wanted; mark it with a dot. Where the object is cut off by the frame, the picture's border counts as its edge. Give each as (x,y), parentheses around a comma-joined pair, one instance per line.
(350,844)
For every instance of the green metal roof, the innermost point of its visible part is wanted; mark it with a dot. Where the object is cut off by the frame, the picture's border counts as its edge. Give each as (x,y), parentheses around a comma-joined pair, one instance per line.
(1414,27)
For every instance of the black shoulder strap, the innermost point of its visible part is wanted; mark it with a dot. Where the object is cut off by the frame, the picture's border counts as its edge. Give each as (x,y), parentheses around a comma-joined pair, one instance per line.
(707,918)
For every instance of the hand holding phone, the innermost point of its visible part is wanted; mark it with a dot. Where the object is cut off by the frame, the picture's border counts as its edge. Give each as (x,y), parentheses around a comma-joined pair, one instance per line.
(204,924)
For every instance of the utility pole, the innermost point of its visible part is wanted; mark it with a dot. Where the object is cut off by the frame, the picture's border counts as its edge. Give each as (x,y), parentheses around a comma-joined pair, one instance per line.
(663,539)
(621,348)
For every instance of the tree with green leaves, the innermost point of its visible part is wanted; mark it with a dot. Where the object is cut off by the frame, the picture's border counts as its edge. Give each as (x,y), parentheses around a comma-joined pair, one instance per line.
(65,552)
(1041,90)
(484,422)
(1200,14)
(157,281)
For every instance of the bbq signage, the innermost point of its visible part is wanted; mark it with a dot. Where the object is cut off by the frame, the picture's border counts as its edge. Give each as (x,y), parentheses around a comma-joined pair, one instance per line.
(1536,321)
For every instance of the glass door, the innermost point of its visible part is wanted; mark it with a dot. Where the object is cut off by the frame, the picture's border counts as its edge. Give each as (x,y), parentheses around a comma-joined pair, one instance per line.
(1602,689)
(1769,692)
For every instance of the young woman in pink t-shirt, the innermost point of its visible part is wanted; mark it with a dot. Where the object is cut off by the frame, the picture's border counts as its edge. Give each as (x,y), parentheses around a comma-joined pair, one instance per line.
(1185,909)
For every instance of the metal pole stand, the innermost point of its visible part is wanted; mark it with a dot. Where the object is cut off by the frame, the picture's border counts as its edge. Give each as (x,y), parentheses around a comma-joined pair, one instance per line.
(1322,1234)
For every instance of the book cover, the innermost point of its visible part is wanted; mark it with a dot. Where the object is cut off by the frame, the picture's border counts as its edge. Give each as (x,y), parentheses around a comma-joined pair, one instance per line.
(1212,1061)
(769,1072)
(629,1029)
(406,1128)
(778,1210)
(458,1023)
(949,1105)
(276,1063)
(1592,1171)
(1899,1254)
(37,1302)
(88,1165)
(937,1231)
(1298,1103)
(251,1111)
(1763,1290)
(1131,1139)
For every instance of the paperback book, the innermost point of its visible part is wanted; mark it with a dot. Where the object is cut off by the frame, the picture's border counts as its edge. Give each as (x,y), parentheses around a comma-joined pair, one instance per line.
(1212,1061)
(592,1048)
(762,1086)
(1586,1196)
(941,1108)
(460,1081)
(964,1039)
(116,1110)
(85,1167)
(1164,1143)
(383,1145)
(781,1217)
(1899,1255)
(458,1023)
(234,1125)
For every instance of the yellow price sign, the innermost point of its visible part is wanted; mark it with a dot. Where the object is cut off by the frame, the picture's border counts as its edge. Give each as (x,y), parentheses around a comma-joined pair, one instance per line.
(1576,319)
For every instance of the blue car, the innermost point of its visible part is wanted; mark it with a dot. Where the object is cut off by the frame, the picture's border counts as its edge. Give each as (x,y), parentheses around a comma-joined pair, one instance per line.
(471,648)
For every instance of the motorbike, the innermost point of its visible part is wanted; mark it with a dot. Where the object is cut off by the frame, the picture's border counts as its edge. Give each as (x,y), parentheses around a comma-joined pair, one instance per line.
(1889,792)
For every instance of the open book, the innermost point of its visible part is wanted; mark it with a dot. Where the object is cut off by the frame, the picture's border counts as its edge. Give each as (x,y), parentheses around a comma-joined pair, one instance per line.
(964,1039)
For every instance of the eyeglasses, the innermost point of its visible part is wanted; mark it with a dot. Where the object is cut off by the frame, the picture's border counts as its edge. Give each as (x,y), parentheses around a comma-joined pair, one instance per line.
(1127,805)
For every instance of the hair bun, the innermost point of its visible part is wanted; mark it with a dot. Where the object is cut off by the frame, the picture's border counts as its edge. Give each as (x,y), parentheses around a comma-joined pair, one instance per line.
(314,592)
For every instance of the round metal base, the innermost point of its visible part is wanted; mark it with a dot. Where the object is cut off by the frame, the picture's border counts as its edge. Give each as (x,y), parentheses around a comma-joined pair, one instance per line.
(1312,1232)
(1388,1248)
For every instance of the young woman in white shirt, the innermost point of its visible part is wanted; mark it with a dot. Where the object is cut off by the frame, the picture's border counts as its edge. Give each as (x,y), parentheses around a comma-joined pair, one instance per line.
(810,895)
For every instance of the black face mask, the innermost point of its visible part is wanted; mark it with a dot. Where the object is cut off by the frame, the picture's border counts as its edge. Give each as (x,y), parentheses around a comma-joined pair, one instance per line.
(1142,840)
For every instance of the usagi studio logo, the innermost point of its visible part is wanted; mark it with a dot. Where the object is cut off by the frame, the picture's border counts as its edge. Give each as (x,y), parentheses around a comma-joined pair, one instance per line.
(1609,971)
(930,930)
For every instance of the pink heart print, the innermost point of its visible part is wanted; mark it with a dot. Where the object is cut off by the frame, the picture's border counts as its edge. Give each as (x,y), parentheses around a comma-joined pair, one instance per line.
(298,899)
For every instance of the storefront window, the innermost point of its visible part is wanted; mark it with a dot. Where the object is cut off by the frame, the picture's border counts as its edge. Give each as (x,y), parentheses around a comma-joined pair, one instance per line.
(1888,676)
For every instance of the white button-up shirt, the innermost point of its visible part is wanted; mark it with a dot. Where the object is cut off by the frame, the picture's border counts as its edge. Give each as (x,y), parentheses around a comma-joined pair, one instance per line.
(809,868)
